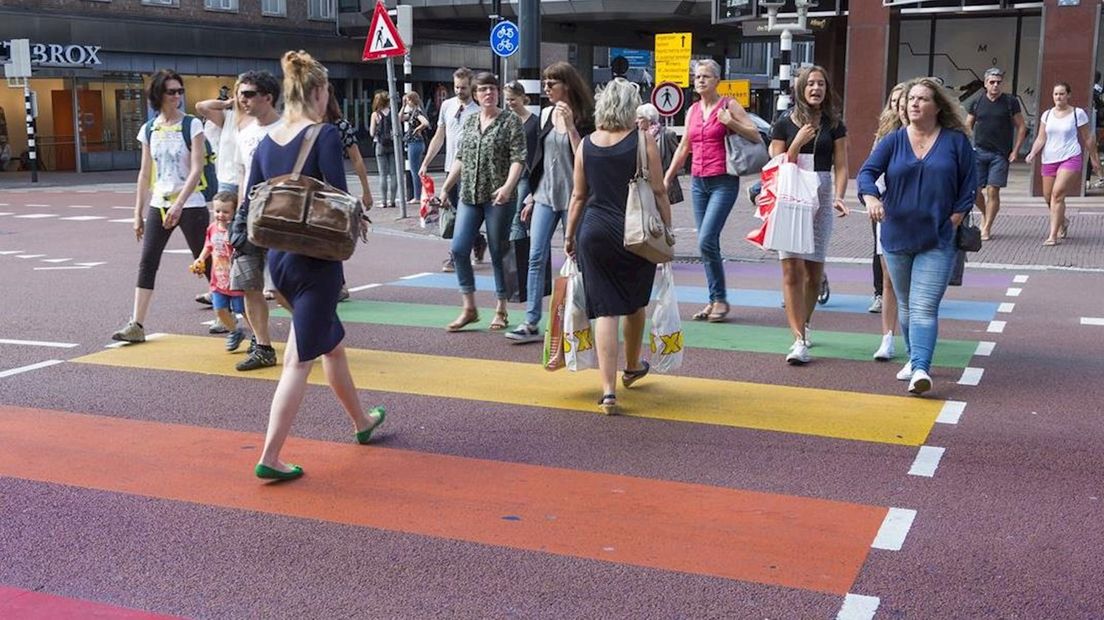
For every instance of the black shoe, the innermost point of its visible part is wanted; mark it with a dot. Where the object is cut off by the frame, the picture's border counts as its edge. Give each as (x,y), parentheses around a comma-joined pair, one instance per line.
(480,248)
(262,357)
(234,340)
(204,299)
(252,345)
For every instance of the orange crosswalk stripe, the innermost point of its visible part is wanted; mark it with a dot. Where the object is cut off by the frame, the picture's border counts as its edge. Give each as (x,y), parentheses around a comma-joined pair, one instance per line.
(805,543)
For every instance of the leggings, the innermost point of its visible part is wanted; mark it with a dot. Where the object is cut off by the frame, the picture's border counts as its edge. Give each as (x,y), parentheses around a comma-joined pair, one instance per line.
(193,222)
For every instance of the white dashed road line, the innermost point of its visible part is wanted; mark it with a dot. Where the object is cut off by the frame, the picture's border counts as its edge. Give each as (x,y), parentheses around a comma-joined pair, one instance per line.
(927,460)
(985,348)
(35,216)
(37,206)
(357,289)
(1088,320)
(8,252)
(415,275)
(29,255)
(1020,279)
(951,412)
(858,607)
(83,218)
(996,327)
(1013,292)
(22,369)
(1006,307)
(56,260)
(895,528)
(39,343)
(971,376)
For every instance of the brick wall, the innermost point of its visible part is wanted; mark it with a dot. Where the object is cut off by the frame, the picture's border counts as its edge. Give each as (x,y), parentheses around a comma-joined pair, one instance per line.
(188,11)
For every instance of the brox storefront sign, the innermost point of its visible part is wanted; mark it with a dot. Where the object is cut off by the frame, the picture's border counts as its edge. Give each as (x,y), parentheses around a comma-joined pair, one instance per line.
(56,55)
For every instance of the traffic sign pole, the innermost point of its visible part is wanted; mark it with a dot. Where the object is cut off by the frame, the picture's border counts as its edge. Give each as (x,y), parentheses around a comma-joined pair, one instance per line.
(384,41)
(396,135)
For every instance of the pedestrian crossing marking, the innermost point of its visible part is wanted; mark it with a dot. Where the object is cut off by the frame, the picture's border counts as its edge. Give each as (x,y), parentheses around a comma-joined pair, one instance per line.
(796,542)
(855,416)
(732,336)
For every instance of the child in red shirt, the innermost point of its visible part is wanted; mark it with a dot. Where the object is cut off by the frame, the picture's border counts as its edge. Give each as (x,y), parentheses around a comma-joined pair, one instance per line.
(227,303)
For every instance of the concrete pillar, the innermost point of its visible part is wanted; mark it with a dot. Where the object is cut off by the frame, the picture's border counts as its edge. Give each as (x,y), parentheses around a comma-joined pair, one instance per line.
(866,83)
(1069,35)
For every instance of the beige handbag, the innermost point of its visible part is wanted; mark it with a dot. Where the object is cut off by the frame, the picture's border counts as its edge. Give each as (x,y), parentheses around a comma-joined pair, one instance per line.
(301,214)
(645,233)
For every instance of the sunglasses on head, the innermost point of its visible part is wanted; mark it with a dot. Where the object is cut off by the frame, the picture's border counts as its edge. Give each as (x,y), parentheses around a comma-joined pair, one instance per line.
(248,94)
(174,91)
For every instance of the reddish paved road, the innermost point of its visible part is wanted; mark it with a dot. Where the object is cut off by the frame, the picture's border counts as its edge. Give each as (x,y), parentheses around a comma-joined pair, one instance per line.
(1007,527)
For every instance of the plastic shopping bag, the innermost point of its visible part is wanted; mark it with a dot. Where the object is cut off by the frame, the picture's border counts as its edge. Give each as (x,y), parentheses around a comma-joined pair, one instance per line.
(765,200)
(578,336)
(428,213)
(553,356)
(666,340)
(790,222)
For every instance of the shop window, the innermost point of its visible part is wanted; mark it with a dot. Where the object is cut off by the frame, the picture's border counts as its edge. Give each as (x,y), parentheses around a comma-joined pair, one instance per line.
(175,3)
(274,8)
(221,5)
(322,9)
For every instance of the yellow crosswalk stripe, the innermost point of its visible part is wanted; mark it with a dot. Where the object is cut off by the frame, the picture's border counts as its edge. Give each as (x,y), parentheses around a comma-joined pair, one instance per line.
(807,411)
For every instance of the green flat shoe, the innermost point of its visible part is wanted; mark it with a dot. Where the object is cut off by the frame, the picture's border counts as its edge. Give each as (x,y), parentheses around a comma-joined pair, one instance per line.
(267,473)
(362,437)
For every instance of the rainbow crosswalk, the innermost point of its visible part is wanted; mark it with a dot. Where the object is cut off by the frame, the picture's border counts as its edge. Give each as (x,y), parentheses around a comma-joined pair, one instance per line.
(795,541)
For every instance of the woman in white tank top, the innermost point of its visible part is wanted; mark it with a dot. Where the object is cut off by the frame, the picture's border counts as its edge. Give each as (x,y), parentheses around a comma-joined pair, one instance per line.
(1063,138)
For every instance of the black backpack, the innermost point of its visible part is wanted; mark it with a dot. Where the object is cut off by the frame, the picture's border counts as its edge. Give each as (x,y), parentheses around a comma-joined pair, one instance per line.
(385,133)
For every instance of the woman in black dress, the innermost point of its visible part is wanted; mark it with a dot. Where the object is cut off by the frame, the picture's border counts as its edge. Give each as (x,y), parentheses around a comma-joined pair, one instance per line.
(618,283)
(308,287)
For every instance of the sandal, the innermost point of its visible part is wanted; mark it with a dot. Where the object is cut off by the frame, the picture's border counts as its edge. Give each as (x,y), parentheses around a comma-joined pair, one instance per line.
(1063,230)
(629,377)
(1050,242)
(608,404)
(500,321)
(716,316)
(704,313)
(465,319)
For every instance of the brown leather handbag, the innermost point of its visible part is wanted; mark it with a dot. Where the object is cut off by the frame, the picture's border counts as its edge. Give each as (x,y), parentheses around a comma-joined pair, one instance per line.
(300,214)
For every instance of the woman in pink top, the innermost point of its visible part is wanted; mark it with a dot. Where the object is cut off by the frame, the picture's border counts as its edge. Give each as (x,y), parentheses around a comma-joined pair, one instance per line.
(713,191)
(1062,139)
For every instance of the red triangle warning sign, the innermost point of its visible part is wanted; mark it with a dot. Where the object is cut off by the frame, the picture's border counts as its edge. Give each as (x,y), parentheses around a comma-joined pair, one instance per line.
(383,38)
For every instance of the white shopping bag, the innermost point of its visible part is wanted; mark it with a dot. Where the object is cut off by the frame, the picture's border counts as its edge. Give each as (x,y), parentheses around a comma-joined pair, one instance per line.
(666,341)
(790,224)
(578,337)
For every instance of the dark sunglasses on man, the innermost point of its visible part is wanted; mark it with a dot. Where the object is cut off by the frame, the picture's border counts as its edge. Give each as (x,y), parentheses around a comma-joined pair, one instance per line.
(248,94)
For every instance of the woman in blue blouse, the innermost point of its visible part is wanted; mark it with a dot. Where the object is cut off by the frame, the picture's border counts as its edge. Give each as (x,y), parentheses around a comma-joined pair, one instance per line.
(930,187)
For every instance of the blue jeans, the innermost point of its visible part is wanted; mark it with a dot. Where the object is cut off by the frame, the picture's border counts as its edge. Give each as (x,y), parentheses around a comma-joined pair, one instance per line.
(542,224)
(415,153)
(713,198)
(919,280)
(389,186)
(468,220)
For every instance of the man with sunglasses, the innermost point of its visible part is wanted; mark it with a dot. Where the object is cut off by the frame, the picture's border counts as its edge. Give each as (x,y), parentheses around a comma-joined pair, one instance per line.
(993,118)
(450,127)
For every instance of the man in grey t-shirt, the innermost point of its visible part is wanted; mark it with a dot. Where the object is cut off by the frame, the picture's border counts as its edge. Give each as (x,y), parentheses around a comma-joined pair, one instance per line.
(993,116)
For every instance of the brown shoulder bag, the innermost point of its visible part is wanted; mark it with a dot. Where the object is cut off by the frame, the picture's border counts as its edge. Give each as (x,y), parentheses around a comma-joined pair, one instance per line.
(300,214)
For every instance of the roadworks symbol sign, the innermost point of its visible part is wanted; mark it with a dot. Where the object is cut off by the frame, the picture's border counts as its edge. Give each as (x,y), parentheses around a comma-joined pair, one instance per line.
(383,38)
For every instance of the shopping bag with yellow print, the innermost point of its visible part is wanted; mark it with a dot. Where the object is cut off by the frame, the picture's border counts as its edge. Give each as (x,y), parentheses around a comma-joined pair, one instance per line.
(665,337)
(578,335)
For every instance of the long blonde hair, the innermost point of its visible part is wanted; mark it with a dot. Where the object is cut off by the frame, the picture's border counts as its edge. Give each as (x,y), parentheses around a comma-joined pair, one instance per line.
(950,111)
(890,119)
(302,75)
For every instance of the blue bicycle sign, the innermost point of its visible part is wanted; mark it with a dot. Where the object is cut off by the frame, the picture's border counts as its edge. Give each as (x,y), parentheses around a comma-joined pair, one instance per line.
(505,39)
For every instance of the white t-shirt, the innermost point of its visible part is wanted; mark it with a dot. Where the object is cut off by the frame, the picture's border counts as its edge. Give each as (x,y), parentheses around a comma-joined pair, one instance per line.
(1061,135)
(452,115)
(172,161)
(249,137)
(227,162)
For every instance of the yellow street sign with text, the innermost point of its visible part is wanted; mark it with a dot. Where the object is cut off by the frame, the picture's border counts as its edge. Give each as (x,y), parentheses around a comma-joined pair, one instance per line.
(672,58)
(740,90)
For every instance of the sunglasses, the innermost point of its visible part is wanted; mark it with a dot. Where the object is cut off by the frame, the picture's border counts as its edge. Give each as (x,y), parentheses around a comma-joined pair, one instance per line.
(551,83)
(248,94)
(174,91)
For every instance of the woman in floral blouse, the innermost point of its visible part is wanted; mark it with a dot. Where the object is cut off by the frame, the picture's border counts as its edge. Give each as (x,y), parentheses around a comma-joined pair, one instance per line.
(488,166)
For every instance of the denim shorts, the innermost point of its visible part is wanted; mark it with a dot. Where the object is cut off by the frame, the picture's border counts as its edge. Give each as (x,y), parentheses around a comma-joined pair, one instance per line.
(236,303)
(992,168)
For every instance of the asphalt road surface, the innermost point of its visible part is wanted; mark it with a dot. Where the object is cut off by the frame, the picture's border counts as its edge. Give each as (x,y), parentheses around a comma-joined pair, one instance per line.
(737,487)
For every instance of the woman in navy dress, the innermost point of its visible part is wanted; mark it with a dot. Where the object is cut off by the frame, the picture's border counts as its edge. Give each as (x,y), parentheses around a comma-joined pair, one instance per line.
(308,287)
(618,283)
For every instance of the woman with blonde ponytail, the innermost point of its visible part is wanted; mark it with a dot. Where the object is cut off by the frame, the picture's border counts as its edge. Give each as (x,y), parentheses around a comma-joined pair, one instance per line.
(308,287)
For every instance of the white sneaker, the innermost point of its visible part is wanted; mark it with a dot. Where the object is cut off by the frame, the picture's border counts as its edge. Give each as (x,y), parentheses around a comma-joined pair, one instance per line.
(920,383)
(886,351)
(808,336)
(906,372)
(875,305)
(799,353)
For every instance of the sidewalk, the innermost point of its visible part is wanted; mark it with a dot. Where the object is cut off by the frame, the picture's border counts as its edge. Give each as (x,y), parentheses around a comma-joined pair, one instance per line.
(1017,235)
